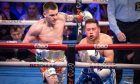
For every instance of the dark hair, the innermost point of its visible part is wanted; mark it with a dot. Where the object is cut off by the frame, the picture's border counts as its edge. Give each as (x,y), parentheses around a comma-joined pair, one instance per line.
(31,3)
(50,5)
(15,28)
(91,21)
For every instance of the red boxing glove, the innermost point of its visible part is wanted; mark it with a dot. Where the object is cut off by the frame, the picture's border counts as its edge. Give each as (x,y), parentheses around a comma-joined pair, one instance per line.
(79,18)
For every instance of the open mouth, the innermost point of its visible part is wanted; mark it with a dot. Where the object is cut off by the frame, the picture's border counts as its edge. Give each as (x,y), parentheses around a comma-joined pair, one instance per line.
(91,37)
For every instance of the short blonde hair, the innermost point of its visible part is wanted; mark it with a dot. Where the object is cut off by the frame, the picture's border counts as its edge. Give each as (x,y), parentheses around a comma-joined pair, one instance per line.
(50,5)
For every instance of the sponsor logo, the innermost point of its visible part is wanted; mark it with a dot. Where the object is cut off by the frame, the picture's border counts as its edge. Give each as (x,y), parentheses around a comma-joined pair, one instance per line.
(71,73)
(38,45)
(102,46)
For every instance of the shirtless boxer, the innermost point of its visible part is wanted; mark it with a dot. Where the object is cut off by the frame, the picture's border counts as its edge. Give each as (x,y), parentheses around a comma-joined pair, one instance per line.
(93,36)
(50,30)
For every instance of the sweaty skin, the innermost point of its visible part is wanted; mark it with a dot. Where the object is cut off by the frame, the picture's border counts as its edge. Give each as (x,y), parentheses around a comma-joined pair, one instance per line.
(93,36)
(45,32)
(49,30)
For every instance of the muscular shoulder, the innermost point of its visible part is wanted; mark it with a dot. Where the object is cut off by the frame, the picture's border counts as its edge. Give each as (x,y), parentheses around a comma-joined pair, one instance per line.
(36,27)
(83,41)
(38,23)
(61,16)
(104,38)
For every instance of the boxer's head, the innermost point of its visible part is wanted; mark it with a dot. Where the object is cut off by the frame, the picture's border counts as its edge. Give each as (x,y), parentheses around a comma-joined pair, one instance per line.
(92,29)
(50,11)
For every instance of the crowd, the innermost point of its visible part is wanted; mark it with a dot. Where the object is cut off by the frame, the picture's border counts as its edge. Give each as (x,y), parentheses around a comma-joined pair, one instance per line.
(33,11)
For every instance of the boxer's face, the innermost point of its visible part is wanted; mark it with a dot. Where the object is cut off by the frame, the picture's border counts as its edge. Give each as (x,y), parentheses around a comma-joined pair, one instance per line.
(92,31)
(51,15)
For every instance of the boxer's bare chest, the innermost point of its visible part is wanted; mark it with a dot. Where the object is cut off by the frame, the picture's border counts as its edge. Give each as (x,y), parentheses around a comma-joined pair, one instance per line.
(98,41)
(50,34)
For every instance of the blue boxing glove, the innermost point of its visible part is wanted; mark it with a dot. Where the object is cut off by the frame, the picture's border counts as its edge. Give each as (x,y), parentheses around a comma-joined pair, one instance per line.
(95,56)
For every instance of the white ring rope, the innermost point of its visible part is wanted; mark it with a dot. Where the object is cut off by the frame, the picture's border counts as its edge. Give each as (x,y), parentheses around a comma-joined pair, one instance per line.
(64,64)
(33,64)
(59,1)
(30,22)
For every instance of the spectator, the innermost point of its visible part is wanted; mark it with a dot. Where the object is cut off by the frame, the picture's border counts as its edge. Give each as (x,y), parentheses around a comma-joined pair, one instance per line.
(31,13)
(104,17)
(94,9)
(15,54)
(2,15)
(15,34)
(5,8)
(18,9)
(67,8)
(6,15)
(4,29)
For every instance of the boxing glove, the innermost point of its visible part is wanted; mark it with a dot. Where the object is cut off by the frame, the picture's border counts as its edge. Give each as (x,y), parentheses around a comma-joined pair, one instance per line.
(87,15)
(83,16)
(95,56)
(83,56)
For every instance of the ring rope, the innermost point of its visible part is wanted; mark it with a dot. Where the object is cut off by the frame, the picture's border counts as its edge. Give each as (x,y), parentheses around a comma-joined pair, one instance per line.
(79,25)
(64,64)
(34,46)
(59,1)
(30,22)
(64,46)
(70,54)
(107,46)
(33,64)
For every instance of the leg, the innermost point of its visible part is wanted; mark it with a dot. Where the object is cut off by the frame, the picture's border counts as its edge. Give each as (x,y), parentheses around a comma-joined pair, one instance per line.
(137,72)
(53,79)
(135,38)
(89,78)
(49,76)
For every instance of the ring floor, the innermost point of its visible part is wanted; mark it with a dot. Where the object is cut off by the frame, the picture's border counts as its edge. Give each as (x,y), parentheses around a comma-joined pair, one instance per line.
(30,75)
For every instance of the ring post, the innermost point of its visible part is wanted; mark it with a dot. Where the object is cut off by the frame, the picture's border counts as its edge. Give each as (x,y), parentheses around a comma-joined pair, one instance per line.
(79,24)
(70,54)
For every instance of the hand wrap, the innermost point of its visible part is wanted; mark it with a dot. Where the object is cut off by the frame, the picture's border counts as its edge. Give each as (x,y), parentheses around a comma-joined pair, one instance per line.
(95,56)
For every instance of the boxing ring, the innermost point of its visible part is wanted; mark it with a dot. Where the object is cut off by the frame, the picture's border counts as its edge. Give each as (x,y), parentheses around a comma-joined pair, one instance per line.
(30,70)
(70,55)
